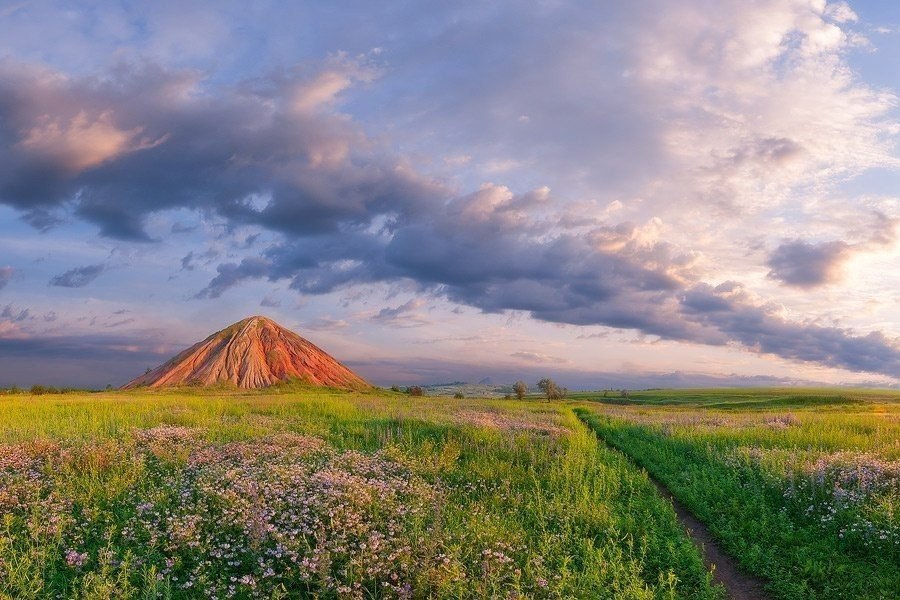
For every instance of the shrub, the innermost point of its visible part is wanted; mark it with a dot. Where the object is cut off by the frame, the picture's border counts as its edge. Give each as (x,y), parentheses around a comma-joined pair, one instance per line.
(416,390)
(458,396)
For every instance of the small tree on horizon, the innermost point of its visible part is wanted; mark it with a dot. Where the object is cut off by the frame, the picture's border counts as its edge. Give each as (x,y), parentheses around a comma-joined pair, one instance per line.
(550,388)
(520,388)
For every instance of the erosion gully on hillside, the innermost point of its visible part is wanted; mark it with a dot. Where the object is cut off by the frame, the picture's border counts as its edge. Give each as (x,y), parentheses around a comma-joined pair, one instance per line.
(738,584)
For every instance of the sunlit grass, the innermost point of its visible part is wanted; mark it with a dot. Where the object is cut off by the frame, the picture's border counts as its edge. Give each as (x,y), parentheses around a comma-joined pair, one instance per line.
(301,493)
(804,489)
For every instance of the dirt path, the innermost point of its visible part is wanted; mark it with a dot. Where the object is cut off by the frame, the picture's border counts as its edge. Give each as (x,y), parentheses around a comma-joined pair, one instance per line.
(738,584)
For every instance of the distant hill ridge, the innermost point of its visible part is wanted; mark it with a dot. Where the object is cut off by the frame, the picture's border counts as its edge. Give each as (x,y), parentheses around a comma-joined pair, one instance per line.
(252,353)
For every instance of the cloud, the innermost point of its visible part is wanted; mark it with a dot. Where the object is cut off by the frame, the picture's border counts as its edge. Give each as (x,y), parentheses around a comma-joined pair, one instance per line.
(687,119)
(231,273)
(13,315)
(326,324)
(806,265)
(405,315)
(269,302)
(482,250)
(6,274)
(729,309)
(534,357)
(78,277)
(191,259)
(147,139)
(121,323)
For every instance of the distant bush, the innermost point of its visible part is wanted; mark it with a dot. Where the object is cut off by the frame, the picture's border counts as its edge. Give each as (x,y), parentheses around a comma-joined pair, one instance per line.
(458,396)
(395,388)
(416,390)
(40,390)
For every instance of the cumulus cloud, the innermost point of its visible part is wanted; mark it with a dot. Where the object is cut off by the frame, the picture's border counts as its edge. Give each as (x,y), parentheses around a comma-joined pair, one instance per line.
(147,139)
(481,250)
(729,309)
(78,277)
(807,265)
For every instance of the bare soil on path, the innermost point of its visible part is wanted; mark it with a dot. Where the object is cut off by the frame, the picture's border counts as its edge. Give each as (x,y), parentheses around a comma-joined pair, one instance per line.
(738,584)
(725,569)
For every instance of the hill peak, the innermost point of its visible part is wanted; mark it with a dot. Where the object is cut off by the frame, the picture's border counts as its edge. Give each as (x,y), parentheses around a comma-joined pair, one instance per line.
(251,353)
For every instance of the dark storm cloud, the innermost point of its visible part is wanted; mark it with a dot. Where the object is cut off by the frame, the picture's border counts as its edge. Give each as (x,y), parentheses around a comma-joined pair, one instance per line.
(6,274)
(145,139)
(805,265)
(727,309)
(78,277)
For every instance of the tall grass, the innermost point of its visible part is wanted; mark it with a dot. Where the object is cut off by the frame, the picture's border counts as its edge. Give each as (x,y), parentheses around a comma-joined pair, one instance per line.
(301,493)
(808,498)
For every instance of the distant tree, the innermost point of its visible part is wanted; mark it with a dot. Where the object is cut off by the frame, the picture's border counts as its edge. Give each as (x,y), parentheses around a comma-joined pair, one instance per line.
(624,393)
(520,388)
(550,388)
(458,396)
(416,390)
(606,393)
(37,390)
(394,388)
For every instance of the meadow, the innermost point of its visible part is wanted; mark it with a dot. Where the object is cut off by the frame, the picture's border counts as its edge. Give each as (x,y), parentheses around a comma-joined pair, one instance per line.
(298,492)
(301,493)
(802,487)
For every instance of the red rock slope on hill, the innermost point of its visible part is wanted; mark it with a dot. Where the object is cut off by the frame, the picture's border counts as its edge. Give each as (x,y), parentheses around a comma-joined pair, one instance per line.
(255,352)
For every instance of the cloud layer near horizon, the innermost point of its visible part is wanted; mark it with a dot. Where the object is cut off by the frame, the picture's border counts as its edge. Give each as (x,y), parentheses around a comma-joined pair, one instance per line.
(661,142)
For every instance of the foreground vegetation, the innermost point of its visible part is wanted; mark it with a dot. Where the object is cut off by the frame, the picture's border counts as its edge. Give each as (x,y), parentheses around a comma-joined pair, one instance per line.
(299,493)
(802,488)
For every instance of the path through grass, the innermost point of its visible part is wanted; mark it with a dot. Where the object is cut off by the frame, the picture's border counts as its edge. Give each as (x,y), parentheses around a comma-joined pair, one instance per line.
(803,492)
(302,494)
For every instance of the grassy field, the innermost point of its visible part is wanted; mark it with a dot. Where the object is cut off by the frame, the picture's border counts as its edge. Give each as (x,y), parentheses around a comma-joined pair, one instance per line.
(802,487)
(300,493)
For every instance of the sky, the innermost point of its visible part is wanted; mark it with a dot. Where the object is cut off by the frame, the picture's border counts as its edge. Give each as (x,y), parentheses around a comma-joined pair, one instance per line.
(658,192)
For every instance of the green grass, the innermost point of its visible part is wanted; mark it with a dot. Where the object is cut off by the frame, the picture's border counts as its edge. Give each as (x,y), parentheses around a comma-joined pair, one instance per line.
(295,492)
(802,487)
